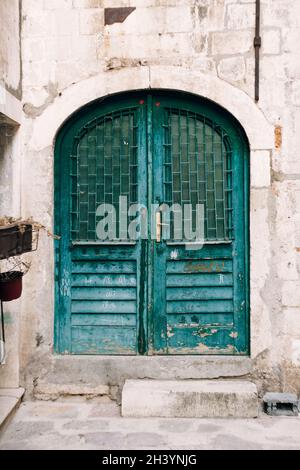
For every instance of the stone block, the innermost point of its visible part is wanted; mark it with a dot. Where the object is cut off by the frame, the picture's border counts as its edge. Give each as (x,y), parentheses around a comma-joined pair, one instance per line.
(44,391)
(189,399)
(33,49)
(156,20)
(260,168)
(295,346)
(231,42)
(57,4)
(232,69)
(291,293)
(281,404)
(294,92)
(292,320)
(240,16)
(91,21)
(65,23)
(271,41)
(87,3)
(39,25)
(259,236)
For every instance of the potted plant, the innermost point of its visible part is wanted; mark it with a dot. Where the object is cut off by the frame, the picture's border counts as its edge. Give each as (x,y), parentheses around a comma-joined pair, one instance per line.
(11,281)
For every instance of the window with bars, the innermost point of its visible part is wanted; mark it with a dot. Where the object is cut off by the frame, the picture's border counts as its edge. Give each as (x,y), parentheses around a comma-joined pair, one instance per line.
(198,170)
(103,168)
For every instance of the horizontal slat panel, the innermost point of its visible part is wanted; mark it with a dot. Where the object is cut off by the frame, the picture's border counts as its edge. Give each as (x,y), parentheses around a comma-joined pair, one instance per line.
(199,293)
(195,340)
(104,252)
(103,306)
(113,280)
(98,319)
(103,293)
(104,340)
(200,266)
(200,319)
(191,280)
(205,306)
(103,267)
(206,252)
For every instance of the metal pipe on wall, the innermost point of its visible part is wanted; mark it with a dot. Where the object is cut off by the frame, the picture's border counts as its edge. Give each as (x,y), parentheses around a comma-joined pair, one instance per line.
(257,46)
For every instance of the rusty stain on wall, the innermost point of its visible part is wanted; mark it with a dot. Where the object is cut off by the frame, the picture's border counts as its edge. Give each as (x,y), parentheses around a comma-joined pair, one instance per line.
(278,137)
(117,15)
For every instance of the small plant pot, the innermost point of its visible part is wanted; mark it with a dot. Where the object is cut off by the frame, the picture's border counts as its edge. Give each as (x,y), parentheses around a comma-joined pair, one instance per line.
(10,285)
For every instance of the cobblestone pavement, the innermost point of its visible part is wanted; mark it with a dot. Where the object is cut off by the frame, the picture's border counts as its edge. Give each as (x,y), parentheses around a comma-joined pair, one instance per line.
(92,424)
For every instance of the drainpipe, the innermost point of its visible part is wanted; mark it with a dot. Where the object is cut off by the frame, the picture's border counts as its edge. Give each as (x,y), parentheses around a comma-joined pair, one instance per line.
(257,46)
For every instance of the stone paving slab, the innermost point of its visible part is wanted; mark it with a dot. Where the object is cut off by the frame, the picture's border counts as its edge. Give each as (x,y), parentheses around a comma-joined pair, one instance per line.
(9,400)
(86,424)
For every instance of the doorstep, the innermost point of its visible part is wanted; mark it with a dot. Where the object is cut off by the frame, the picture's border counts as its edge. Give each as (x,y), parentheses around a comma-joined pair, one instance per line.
(189,399)
(10,399)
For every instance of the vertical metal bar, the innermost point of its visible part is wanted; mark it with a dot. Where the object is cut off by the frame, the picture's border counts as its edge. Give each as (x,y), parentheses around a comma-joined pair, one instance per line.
(104,159)
(180,159)
(257,46)
(171,228)
(223,158)
(113,146)
(128,157)
(189,164)
(205,177)
(148,319)
(120,161)
(167,116)
(199,201)
(78,190)
(229,186)
(2,323)
(213,156)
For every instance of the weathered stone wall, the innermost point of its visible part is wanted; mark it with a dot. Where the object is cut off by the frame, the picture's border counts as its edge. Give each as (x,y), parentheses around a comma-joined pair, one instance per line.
(70,57)
(10,51)
(10,117)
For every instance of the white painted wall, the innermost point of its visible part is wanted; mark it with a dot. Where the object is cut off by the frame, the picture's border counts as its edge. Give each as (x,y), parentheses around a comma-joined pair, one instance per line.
(10,63)
(10,177)
(201,46)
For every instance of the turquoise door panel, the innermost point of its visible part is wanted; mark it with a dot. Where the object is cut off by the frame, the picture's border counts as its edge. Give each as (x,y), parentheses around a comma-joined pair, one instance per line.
(147,296)
(201,295)
(100,289)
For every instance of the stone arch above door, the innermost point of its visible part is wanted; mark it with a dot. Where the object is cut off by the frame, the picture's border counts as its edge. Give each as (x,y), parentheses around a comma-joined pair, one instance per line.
(259,131)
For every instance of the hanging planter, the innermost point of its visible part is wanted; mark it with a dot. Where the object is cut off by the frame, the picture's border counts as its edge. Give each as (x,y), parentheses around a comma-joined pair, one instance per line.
(15,239)
(11,285)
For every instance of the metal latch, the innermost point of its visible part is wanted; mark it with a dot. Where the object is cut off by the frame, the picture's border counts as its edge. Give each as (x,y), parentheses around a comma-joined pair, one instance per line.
(159,225)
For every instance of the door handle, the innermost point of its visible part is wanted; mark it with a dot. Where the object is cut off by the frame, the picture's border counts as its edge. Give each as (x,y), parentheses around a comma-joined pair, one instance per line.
(159,225)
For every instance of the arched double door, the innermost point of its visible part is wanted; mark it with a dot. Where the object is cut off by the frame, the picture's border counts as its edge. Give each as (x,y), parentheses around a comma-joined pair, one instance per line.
(118,163)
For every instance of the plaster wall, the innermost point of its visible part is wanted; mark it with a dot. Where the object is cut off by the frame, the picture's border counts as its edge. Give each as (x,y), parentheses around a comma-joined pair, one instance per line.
(71,57)
(10,178)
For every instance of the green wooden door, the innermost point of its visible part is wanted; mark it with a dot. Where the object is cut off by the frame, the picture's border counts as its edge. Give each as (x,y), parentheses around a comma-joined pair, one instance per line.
(151,294)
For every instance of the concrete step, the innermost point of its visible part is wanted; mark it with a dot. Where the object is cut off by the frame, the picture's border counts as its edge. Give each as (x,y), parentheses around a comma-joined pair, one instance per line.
(189,399)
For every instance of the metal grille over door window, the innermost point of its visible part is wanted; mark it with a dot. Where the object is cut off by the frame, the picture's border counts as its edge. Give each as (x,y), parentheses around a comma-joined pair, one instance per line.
(104,167)
(198,170)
